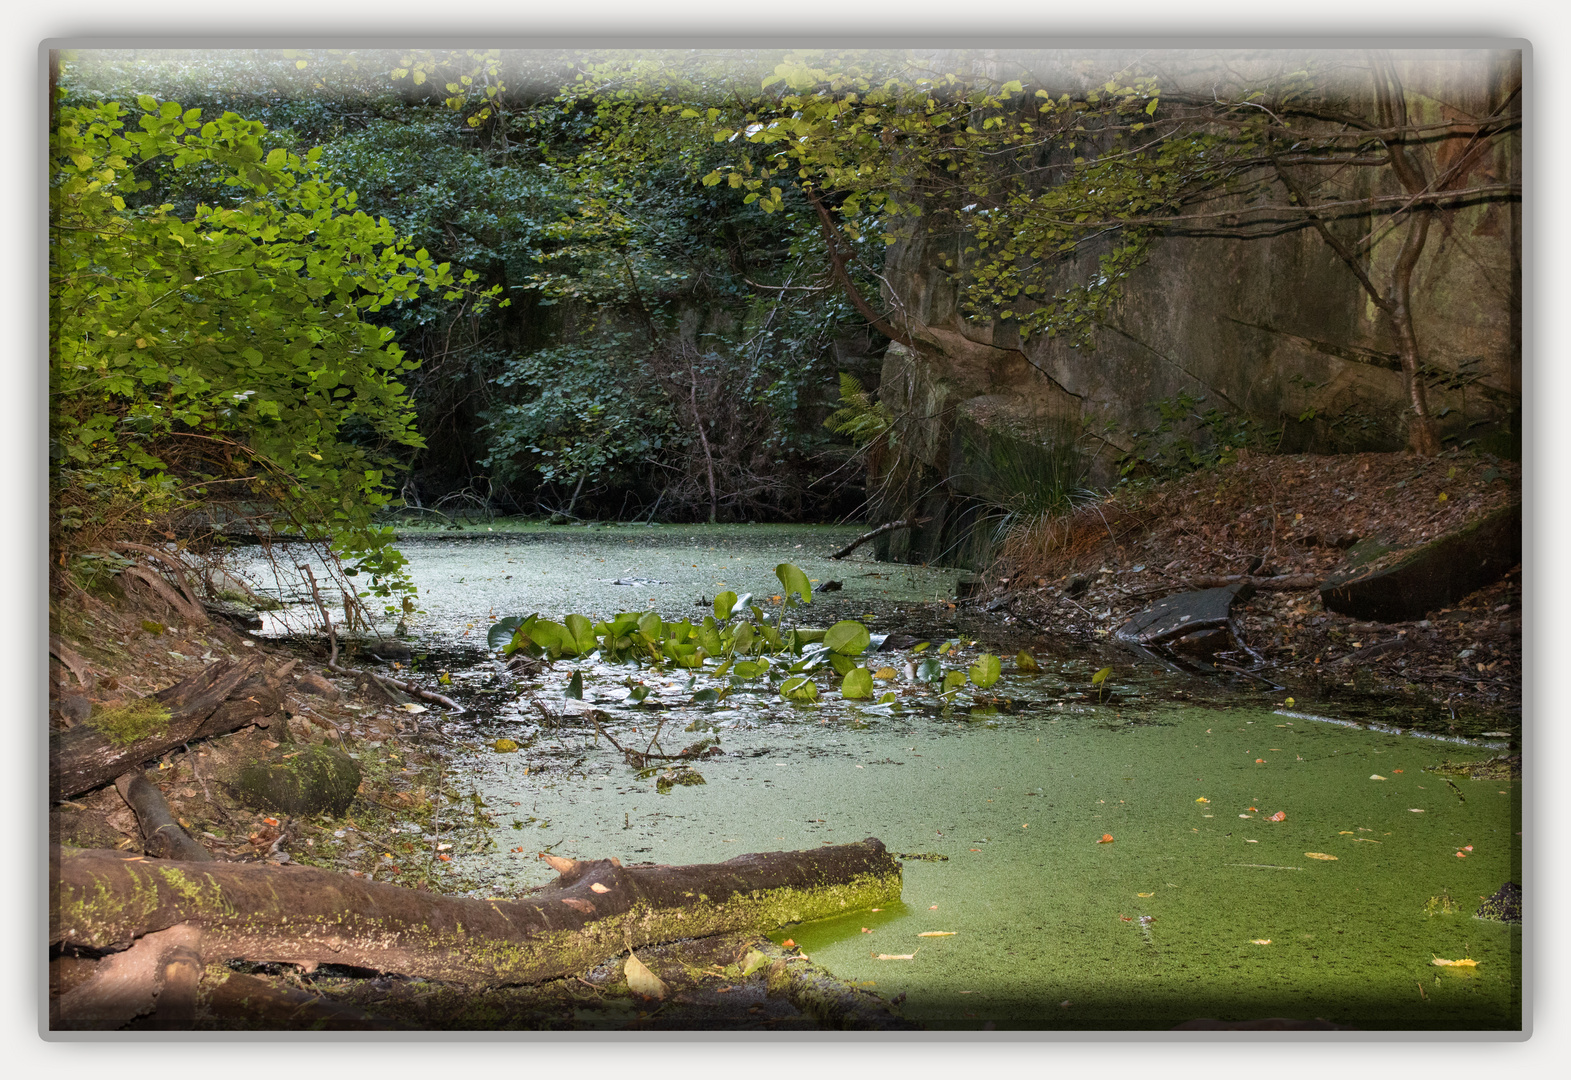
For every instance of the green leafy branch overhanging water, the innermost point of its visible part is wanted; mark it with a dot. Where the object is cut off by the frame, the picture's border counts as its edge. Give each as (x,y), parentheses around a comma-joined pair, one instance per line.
(228,357)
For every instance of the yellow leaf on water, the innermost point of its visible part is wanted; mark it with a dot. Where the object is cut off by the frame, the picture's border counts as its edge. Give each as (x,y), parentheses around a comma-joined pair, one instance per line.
(885,673)
(937,933)
(1319,855)
(642,981)
(1144,894)
(1260,941)
(1376,776)
(893,956)
(1454,963)
(1202,799)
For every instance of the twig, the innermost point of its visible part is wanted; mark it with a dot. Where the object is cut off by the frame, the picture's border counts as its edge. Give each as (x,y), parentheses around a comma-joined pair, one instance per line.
(382,680)
(904,523)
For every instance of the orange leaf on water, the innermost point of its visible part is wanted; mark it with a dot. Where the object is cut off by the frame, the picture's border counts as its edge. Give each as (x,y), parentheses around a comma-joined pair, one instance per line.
(1280,815)
(788,944)
(1107,838)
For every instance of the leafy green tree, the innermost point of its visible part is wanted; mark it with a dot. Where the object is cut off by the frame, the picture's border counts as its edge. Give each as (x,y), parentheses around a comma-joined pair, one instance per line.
(228,357)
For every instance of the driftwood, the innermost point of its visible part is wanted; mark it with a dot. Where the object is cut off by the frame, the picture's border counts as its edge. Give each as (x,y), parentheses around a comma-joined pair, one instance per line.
(162,836)
(221,698)
(905,523)
(103,899)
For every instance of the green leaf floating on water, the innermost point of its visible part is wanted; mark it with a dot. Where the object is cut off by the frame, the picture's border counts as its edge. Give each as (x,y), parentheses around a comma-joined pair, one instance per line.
(1026,662)
(929,670)
(575,686)
(792,580)
(954,680)
(724,602)
(1101,676)
(858,683)
(985,671)
(502,632)
(799,688)
(848,637)
(753,961)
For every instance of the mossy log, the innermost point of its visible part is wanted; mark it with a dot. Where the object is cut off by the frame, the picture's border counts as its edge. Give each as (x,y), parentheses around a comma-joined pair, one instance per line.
(221,698)
(596,908)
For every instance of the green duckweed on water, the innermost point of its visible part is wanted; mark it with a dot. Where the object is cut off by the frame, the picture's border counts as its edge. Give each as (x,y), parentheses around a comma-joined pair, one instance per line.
(1201,905)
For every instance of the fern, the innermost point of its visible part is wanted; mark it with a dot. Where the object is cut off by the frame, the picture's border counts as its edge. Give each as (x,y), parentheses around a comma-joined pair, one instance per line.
(859,416)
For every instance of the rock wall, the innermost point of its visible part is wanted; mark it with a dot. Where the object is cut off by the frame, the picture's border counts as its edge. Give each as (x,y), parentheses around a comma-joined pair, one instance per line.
(1278,331)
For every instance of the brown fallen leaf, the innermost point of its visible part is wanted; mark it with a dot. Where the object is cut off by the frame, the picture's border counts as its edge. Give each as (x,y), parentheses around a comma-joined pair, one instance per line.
(1319,855)
(642,981)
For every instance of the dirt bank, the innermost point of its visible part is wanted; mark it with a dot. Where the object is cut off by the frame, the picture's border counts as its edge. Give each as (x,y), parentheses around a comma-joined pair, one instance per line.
(1291,518)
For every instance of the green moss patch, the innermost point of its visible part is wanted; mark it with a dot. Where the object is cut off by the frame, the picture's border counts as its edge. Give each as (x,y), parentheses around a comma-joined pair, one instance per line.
(131,722)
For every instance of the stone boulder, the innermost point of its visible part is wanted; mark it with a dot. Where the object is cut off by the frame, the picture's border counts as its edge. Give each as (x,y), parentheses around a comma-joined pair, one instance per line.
(301,780)
(1383,584)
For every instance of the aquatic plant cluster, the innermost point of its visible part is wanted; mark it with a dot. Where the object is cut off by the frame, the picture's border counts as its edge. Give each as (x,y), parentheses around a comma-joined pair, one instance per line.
(740,640)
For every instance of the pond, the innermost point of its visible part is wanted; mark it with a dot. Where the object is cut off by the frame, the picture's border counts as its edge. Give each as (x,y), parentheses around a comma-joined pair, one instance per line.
(1118,855)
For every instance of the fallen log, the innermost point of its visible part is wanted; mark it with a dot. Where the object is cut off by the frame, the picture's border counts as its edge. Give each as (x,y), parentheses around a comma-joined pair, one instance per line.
(905,523)
(162,836)
(219,699)
(104,899)
(1280,581)
(128,984)
(247,1002)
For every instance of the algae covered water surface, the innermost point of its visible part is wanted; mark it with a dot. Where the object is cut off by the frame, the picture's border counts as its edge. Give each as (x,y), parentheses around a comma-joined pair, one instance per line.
(1073,858)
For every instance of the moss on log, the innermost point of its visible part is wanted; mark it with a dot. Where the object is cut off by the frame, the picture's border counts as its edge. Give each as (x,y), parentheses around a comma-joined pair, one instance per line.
(596,908)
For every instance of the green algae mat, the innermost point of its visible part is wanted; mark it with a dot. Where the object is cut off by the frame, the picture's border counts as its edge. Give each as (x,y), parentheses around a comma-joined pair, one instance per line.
(1070,863)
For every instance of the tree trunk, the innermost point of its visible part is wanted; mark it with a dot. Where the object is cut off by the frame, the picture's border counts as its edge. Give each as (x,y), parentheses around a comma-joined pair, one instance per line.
(596,908)
(219,699)
(1422,438)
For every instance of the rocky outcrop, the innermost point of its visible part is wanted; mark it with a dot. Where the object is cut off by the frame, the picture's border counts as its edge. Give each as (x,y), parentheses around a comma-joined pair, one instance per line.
(1396,585)
(1275,332)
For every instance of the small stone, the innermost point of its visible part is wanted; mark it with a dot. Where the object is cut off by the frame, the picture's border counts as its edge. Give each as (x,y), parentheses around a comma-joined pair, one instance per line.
(312,683)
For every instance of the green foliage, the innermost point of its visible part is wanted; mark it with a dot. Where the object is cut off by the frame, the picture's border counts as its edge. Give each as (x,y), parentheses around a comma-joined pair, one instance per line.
(985,671)
(857,684)
(793,581)
(847,637)
(227,354)
(859,416)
